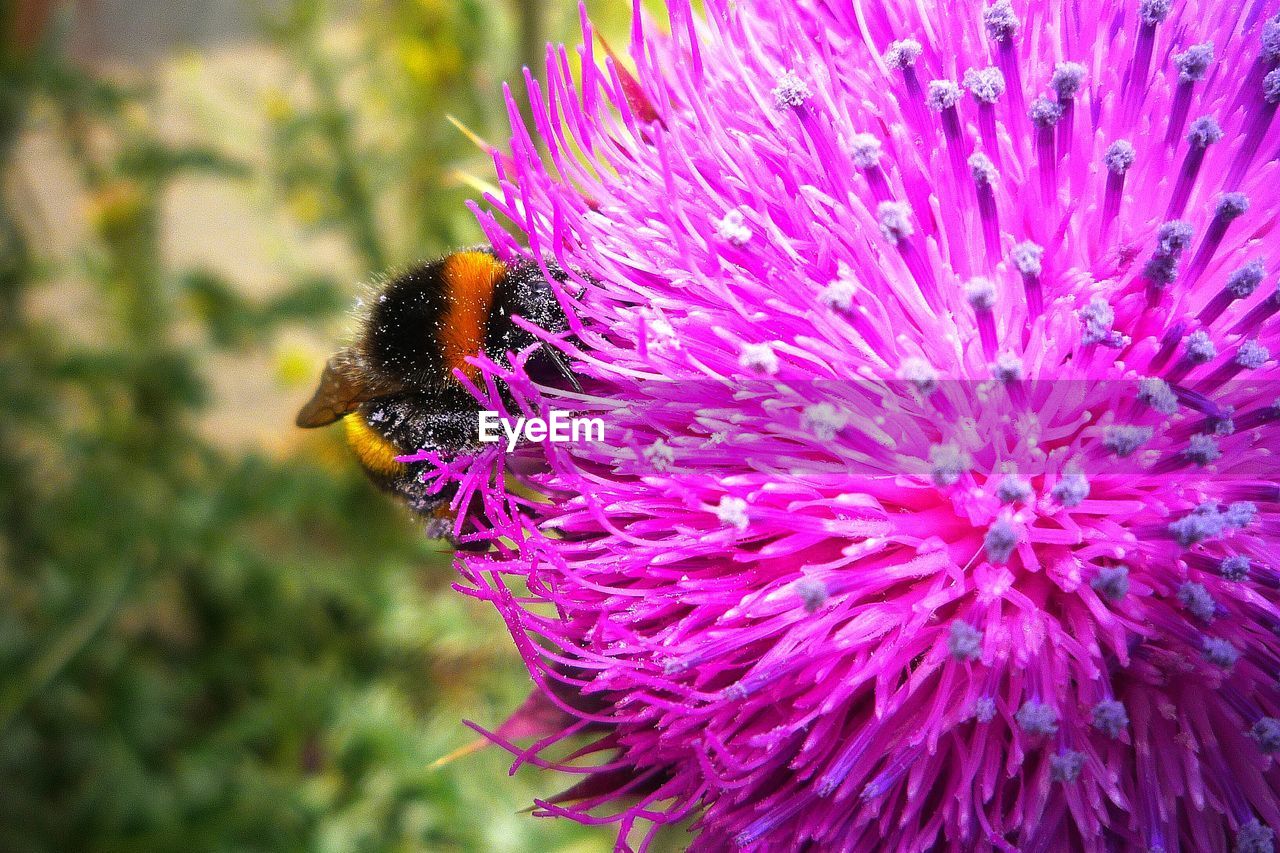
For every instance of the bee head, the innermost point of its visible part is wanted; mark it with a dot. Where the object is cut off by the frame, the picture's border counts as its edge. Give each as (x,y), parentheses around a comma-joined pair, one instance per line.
(527,294)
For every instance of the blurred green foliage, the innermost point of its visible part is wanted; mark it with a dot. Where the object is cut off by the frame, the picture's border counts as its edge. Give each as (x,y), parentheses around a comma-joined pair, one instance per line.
(213,649)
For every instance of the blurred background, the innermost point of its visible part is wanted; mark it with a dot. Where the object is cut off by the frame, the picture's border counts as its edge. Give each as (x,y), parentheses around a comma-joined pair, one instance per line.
(214,635)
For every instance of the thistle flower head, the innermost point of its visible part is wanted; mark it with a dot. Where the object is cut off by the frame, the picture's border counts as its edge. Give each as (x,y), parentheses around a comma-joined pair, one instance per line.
(935,511)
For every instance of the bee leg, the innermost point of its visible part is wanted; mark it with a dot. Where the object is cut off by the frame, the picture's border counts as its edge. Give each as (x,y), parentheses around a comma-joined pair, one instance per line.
(561,364)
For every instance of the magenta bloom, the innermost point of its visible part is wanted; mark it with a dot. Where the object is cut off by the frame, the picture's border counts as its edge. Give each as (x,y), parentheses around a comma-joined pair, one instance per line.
(937,506)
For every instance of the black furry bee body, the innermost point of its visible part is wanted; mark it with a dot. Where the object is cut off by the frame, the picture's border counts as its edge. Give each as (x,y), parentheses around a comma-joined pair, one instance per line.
(395,388)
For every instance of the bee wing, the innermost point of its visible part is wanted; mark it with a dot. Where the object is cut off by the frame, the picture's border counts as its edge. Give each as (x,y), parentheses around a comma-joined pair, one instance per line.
(344,385)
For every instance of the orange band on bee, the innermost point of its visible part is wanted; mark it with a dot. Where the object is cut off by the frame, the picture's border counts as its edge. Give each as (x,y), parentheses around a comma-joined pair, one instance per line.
(374,452)
(469,282)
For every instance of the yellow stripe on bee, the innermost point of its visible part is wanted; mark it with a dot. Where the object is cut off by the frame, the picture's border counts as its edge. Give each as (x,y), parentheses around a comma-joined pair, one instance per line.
(374,452)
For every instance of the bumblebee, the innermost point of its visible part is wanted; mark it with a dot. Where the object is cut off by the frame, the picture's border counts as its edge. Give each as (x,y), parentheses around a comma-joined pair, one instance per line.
(396,388)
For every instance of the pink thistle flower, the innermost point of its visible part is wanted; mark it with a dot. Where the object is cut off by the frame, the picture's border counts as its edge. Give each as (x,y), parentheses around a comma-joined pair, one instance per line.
(937,508)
